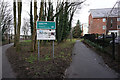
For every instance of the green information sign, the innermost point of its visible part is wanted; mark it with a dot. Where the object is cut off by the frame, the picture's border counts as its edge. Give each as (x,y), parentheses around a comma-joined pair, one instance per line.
(45,25)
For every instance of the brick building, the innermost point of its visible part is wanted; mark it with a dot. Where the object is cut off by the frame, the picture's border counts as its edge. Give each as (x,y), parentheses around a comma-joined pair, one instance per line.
(101,22)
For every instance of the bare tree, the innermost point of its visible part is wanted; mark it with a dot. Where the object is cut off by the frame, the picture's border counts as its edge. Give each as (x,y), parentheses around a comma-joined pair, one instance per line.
(25,27)
(5,17)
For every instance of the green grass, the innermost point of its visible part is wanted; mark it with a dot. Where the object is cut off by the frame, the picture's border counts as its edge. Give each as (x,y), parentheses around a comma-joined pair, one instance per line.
(47,54)
(73,40)
(81,40)
(31,58)
(26,40)
(47,57)
(62,53)
(67,43)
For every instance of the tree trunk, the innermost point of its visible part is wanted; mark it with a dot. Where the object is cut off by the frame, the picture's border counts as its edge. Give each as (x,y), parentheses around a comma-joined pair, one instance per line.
(31,19)
(41,10)
(34,41)
(19,24)
(45,11)
(49,4)
(14,12)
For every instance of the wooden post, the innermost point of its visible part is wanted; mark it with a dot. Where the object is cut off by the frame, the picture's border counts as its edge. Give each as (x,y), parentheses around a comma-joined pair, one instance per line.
(38,50)
(97,36)
(113,45)
(103,41)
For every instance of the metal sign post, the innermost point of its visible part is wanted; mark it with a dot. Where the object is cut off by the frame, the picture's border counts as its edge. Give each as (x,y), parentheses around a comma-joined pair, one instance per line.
(38,50)
(53,49)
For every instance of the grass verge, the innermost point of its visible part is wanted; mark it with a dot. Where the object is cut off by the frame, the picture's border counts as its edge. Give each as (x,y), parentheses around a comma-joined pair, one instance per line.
(26,64)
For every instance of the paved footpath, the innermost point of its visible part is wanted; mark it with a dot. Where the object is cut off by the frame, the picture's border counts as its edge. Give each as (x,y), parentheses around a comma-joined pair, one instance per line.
(87,64)
(7,71)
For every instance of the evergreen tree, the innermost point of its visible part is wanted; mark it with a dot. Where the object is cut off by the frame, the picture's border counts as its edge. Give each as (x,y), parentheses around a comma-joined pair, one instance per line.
(77,30)
(60,25)
(65,21)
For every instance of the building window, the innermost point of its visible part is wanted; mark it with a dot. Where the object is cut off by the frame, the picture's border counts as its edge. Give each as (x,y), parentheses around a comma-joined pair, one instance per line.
(104,20)
(104,27)
(118,19)
(118,26)
(111,21)
(91,21)
(111,25)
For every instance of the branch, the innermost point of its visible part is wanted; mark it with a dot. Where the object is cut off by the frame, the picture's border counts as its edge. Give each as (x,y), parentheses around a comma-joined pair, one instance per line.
(76,3)
(58,12)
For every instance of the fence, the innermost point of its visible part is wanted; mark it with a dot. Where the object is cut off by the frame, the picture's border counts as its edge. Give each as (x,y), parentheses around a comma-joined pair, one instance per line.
(105,43)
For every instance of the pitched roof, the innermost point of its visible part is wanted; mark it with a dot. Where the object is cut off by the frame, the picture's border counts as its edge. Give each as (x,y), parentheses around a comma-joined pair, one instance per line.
(105,12)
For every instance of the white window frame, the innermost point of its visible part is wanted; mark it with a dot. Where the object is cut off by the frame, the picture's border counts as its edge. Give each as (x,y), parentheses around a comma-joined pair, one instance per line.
(118,19)
(104,27)
(111,21)
(91,21)
(104,19)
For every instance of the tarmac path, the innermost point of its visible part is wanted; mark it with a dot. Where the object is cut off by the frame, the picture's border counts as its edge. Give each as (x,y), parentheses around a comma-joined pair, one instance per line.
(87,64)
(7,71)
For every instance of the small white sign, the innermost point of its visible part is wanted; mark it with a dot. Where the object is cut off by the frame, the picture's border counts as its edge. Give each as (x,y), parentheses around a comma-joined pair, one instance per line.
(46,34)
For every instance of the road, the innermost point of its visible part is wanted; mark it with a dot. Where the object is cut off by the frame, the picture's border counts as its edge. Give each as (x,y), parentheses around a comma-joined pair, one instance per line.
(7,71)
(87,64)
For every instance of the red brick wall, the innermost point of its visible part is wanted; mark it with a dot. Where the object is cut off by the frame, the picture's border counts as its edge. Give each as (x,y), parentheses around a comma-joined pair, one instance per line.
(114,24)
(96,25)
